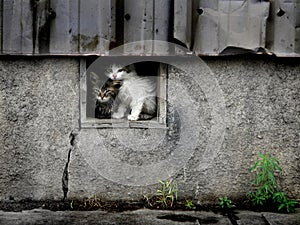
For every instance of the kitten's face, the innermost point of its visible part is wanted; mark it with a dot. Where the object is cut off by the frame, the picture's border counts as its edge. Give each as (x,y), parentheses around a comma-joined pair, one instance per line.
(116,72)
(108,91)
(105,95)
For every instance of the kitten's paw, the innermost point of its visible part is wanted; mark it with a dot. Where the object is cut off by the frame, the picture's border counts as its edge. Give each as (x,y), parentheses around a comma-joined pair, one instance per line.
(133,117)
(117,115)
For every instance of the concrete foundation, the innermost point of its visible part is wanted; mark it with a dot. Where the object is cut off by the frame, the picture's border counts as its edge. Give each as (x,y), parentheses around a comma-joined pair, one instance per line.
(222,112)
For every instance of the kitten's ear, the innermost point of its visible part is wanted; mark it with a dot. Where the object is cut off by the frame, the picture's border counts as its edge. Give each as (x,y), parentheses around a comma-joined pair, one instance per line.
(116,84)
(129,68)
(107,83)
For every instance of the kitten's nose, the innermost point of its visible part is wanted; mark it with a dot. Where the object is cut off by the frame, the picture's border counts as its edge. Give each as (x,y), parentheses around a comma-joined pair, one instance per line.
(114,76)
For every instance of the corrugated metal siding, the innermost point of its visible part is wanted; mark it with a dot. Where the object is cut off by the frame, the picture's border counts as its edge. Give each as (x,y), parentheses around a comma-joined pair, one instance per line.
(206,27)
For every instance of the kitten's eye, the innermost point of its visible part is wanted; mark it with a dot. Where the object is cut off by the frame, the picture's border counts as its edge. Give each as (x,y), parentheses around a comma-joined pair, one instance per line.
(120,70)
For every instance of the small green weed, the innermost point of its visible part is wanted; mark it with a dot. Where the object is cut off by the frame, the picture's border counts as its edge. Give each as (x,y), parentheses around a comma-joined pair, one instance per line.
(189,204)
(225,203)
(167,194)
(164,197)
(265,181)
(92,202)
(267,189)
(88,203)
(284,204)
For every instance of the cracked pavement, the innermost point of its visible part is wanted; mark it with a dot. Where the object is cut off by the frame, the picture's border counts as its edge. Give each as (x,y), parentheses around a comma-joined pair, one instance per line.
(146,217)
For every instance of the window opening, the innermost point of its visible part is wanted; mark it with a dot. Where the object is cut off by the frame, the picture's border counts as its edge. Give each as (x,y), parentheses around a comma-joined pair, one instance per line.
(95,86)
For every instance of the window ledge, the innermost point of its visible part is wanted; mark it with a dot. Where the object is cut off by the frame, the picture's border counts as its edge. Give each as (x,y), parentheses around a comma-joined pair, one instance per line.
(121,123)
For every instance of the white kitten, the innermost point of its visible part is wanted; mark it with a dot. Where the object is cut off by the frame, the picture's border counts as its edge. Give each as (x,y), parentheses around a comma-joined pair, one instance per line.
(138,94)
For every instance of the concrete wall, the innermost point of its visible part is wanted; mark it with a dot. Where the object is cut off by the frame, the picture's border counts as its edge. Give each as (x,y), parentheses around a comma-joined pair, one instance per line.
(223,111)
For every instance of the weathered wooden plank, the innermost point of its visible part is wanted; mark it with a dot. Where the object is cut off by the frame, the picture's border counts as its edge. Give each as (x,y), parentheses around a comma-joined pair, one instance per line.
(64,28)
(17,27)
(95,26)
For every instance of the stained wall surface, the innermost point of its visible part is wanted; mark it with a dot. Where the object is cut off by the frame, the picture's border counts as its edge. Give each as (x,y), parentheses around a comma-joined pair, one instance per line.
(221,113)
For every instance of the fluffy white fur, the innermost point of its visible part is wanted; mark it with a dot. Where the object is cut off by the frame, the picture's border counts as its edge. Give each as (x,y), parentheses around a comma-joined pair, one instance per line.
(138,94)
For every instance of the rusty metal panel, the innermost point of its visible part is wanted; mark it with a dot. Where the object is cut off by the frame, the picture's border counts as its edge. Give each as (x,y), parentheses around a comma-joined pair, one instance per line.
(95,28)
(57,27)
(238,26)
(297,27)
(42,15)
(1,26)
(206,27)
(146,20)
(82,27)
(26,27)
(64,28)
(284,24)
(161,25)
(17,27)
(138,25)
(225,24)
(183,21)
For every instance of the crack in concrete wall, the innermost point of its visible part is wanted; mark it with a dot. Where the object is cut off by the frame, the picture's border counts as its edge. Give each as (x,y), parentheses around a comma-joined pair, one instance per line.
(65,176)
(265,219)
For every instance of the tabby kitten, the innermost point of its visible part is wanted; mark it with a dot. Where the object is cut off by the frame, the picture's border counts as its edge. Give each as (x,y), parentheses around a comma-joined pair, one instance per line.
(105,97)
(137,94)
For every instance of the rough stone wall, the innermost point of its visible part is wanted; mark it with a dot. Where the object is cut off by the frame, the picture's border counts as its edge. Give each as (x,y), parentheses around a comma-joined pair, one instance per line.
(38,112)
(262,98)
(222,113)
